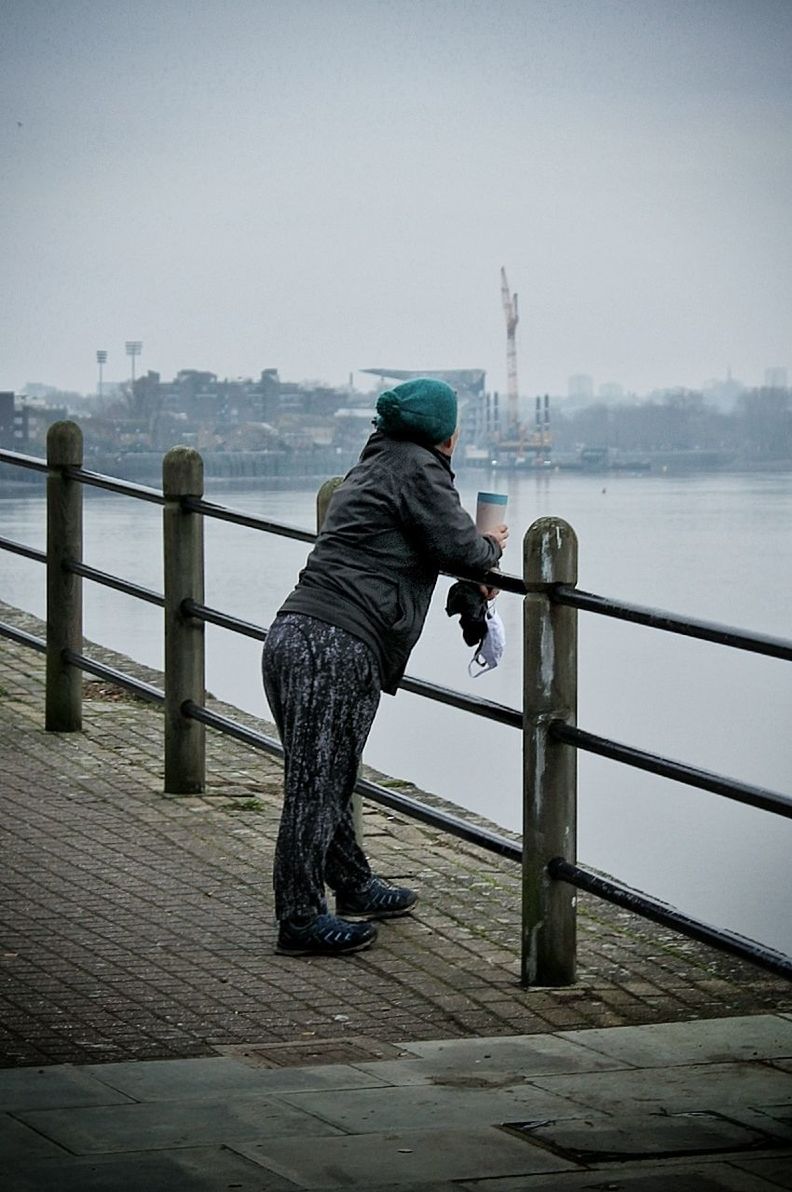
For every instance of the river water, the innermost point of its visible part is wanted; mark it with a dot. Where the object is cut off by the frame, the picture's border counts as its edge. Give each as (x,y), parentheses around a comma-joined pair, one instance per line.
(714,546)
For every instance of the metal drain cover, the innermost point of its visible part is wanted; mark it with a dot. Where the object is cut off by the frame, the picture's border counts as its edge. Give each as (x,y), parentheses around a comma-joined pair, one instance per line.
(642,1136)
(309,1052)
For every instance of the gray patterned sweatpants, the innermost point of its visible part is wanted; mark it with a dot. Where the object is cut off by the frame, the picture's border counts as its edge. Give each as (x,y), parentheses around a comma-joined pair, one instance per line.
(323,687)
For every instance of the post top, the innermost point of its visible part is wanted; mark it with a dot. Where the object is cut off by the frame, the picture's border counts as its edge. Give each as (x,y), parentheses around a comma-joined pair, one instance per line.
(182,473)
(65,444)
(550,552)
(323,496)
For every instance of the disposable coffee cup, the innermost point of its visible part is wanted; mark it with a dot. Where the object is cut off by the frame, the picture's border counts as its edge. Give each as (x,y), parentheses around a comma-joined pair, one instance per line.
(490,511)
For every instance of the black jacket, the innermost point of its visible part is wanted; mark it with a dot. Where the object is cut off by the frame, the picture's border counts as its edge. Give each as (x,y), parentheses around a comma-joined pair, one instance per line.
(392,525)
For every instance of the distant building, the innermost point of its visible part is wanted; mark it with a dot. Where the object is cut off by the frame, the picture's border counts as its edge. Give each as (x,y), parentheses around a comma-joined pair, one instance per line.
(7,420)
(468,382)
(353,425)
(40,418)
(776,378)
(469,386)
(724,394)
(14,433)
(580,385)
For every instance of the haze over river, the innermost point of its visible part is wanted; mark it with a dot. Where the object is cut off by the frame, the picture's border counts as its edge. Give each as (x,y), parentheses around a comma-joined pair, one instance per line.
(714,546)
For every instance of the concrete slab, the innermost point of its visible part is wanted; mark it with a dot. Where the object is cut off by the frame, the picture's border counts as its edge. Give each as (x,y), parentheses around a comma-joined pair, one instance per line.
(778,1169)
(781,1115)
(198,1170)
(211,1078)
(403,1156)
(421,1107)
(596,1139)
(410,1073)
(723,1088)
(713,1041)
(704,1176)
(423,1186)
(18,1141)
(61,1085)
(165,1126)
(494,1061)
(772,1121)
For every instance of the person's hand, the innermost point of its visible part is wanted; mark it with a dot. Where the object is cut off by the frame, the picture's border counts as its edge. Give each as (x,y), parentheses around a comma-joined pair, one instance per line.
(487,592)
(500,534)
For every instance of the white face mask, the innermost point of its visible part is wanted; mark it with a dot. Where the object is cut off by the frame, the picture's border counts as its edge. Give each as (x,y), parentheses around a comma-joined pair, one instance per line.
(490,651)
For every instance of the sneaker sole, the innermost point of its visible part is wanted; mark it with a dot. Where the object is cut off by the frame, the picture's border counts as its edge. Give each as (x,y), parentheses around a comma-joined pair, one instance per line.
(284,951)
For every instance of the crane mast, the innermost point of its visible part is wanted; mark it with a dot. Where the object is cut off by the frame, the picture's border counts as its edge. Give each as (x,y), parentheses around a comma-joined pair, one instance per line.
(512,319)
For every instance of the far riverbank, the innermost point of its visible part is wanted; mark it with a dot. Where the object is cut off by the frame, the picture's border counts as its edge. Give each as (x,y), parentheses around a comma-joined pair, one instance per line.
(281,470)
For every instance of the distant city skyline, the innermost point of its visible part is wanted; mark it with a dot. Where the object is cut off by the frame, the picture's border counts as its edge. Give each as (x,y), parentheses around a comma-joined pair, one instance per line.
(579,385)
(322,187)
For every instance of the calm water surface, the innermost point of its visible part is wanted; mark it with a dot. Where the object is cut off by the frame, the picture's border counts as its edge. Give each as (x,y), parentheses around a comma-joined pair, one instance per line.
(716,547)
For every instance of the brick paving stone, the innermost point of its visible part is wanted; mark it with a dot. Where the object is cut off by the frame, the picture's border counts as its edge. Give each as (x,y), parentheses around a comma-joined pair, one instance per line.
(140,925)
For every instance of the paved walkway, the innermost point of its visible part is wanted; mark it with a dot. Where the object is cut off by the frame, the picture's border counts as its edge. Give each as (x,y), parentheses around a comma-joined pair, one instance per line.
(137,927)
(691,1107)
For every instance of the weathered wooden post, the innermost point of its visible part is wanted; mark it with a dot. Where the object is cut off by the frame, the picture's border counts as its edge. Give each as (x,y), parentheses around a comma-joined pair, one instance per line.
(63,701)
(549,767)
(322,501)
(183,543)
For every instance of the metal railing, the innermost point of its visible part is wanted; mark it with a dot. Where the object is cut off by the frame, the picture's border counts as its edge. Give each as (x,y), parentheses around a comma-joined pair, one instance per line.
(548,719)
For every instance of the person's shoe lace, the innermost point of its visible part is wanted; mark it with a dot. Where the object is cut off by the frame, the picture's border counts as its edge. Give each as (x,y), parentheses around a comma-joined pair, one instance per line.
(376,900)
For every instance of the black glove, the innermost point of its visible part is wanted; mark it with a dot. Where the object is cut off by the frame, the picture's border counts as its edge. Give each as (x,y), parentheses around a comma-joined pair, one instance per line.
(467,601)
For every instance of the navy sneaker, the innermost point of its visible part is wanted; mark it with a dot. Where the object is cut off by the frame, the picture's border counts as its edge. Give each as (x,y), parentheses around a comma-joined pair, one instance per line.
(376,900)
(324,935)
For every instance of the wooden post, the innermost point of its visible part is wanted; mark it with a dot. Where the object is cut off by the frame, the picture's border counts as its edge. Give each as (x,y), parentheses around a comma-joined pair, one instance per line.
(549,767)
(322,501)
(63,701)
(183,544)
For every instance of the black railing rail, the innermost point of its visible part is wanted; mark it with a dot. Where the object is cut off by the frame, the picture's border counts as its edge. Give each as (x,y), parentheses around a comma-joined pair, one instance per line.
(22,638)
(114,581)
(741,792)
(656,618)
(394,800)
(111,484)
(19,548)
(660,912)
(215,617)
(249,520)
(555,590)
(18,460)
(111,675)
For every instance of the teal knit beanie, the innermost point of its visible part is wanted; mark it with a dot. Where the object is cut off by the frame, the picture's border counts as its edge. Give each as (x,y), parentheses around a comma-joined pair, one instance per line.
(423,410)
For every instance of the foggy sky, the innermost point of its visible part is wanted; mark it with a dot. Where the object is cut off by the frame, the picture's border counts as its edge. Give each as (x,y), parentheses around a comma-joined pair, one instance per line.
(326,186)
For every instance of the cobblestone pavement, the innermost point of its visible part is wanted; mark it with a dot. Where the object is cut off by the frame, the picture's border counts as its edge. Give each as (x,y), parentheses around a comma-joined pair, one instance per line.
(138,925)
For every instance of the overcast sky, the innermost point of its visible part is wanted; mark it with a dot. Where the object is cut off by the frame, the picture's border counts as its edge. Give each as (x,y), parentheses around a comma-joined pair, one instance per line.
(322,186)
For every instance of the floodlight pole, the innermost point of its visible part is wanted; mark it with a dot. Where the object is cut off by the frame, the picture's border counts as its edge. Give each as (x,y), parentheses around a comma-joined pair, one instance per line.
(101,360)
(133,348)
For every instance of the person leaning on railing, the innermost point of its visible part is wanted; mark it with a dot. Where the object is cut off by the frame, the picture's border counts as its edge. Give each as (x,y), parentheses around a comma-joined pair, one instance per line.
(344,635)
